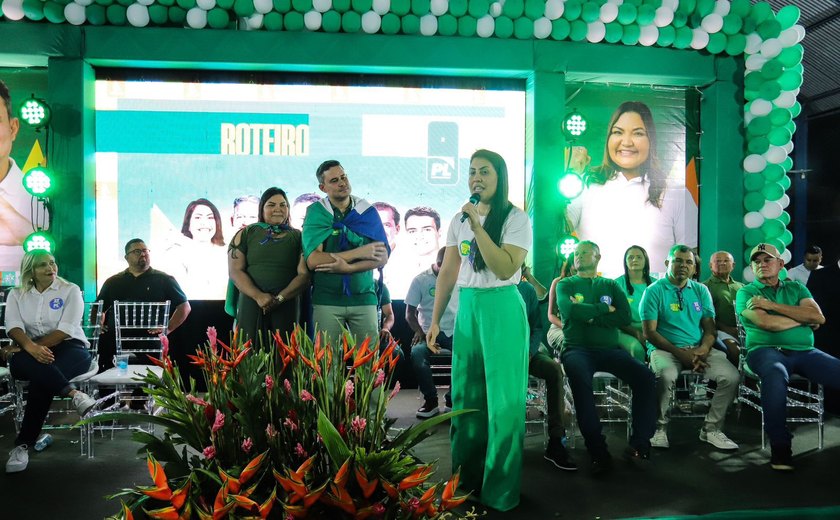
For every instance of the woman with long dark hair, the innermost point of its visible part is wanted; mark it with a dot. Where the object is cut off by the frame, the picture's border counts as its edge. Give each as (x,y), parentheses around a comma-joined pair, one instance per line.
(627,199)
(633,283)
(484,253)
(266,265)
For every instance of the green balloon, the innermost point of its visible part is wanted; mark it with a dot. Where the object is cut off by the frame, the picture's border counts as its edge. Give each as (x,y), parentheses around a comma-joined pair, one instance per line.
(683,38)
(447,25)
(410,24)
(717,43)
(513,8)
(477,8)
(578,31)
(750,95)
(772,228)
(785,182)
(740,7)
(687,6)
(627,14)
(795,110)
(244,8)
(785,218)
(293,21)
(301,6)
(779,116)
(695,20)
(186,4)
(158,14)
(534,9)
(753,237)
(759,126)
(281,6)
(732,24)
(791,127)
(680,19)
(420,7)
(331,21)
(753,80)
(116,14)
(572,10)
(769,28)
(458,8)
(790,80)
(165,3)
(773,173)
(466,26)
(504,27)
(34,10)
(753,201)
(760,12)
(772,191)
(769,90)
(787,164)
(791,56)
(95,14)
(591,12)
(523,28)
(666,36)
(124,3)
(391,24)
(798,68)
(747,255)
(351,22)
(219,18)
(786,237)
(646,14)
(788,16)
(631,34)
(772,69)
(360,6)
(177,15)
(748,26)
(736,44)
(560,29)
(705,7)
(753,181)
(54,12)
(779,136)
(342,6)
(273,21)
(759,144)
(777,243)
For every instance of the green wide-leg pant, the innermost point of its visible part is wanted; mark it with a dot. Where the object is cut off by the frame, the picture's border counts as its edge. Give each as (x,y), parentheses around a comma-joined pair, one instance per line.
(490,374)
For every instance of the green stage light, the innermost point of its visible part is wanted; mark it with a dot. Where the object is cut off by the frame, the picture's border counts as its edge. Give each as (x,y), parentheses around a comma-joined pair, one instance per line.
(574,125)
(38,182)
(39,240)
(567,246)
(35,112)
(570,185)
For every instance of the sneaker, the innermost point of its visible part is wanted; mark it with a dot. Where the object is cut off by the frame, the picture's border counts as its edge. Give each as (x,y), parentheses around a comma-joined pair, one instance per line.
(718,439)
(781,458)
(18,459)
(601,464)
(83,403)
(557,454)
(636,457)
(660,439)
(429,409)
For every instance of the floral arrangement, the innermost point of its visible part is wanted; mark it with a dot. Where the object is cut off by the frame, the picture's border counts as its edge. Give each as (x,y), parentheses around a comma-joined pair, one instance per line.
(293,429)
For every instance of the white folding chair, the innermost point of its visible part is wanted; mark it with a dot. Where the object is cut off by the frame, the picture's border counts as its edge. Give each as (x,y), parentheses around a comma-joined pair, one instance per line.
(137,327)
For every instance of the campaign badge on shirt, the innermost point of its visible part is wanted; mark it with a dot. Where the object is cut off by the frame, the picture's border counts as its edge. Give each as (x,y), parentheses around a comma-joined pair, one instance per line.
(696,306)
(578,297)
(606,299)
(675,307)
(56,303)
(465,248)
(432,292)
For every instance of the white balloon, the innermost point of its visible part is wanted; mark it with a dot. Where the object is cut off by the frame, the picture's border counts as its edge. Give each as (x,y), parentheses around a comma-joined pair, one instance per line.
(73,12)
(485,26)
(648,35)
(788,146)
(785,100)
(496,9)
(771,48)
(785,201)
(380,7)
(145,2)
(753,220)
(595,31)
(800,33)
(137,15)
(786,256)
(542,28)
(789,37)
(699,39)
(254,22)
(712,23)
(439,7)
(755,62)
(554,9)
(760,107)
(197,18)
(722,7)
(263,6)
(616,2)
(371,22)
(748,274)
(609,12)
(771,209)
(312,20)
(754,41)
(664,16)
(754,163)
(428,25)
(13,10)
(775,155)
(209,4)
(84,2)
(671,4)
(322,6)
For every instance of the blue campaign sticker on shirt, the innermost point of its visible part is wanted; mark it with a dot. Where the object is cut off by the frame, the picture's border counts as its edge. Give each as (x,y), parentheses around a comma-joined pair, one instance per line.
(56,303)
(606,299)
(697,306)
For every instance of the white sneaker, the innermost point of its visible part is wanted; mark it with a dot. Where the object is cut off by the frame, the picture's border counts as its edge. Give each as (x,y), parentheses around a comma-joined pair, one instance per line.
(718,439)
(660,439)
(83,403)
(18,459)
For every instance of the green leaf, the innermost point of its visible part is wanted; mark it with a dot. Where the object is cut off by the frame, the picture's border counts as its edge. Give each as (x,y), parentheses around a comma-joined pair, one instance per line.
(414,434)
(336,447)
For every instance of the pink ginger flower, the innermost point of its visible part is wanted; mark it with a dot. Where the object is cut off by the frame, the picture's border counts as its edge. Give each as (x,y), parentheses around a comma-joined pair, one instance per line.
(413,504)
(357,425)
(289,423)
(270,432)
(165,342)
(348,390)
(300,452)
(395,391)
(288,386)
(306,396)
(197,400)
(209,452)
(247,445)
(211,336)
(380,378)
(218,422)
(378,509)
(269,383)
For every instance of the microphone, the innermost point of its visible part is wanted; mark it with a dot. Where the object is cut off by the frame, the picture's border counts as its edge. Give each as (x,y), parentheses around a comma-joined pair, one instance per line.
(474,199)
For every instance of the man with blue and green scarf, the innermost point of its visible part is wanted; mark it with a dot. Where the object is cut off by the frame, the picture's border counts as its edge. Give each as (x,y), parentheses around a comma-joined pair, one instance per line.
(343,243)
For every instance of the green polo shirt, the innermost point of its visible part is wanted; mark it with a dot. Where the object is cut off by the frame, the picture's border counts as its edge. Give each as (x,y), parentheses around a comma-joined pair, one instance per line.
(789,292)
(589,323)
(633,299)
(328,288)
(678,322)
(723,297)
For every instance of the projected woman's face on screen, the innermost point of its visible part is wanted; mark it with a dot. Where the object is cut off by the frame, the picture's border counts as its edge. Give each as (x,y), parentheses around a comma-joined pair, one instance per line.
(202,223)
(629,145)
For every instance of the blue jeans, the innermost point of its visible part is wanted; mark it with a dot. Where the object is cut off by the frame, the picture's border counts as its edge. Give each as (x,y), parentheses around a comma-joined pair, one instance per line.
(581,364)
(45,382)
(421,360)
(774,367)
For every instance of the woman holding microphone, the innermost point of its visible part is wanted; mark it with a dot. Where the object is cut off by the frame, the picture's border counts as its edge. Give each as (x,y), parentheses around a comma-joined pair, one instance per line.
(484,251)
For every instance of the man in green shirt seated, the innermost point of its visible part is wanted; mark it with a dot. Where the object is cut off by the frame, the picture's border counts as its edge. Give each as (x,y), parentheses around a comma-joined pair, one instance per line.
(592,309)
(723,289)
(679,322)
(779,317)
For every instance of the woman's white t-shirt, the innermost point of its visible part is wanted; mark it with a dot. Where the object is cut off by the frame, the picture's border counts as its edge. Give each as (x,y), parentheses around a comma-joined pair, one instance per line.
(516,231)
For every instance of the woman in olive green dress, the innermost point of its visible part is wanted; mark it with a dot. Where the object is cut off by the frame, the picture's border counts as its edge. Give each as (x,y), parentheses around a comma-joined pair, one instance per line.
(267,267)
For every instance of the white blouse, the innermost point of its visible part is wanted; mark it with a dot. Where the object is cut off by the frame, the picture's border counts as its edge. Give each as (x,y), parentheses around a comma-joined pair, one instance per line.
(59,307)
